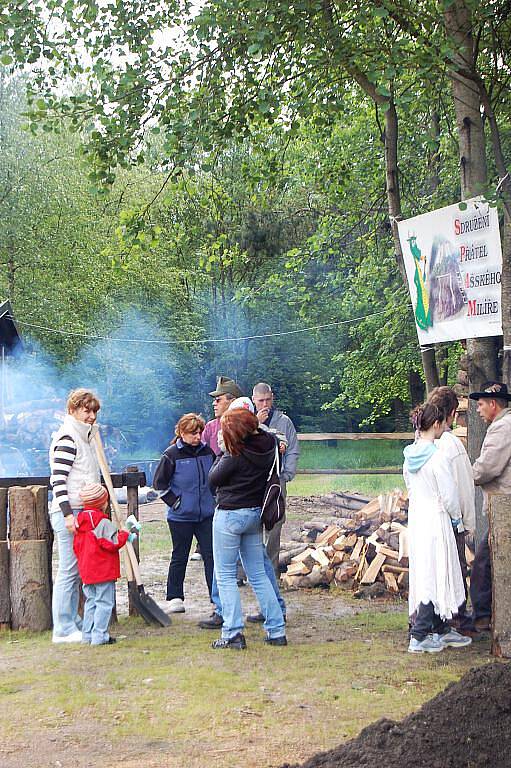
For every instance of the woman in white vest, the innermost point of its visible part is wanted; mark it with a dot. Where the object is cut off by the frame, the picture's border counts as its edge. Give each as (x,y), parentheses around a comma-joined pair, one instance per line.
(73,464)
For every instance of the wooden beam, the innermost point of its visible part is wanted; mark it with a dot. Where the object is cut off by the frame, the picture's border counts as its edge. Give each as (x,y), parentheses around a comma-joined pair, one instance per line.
(356,436)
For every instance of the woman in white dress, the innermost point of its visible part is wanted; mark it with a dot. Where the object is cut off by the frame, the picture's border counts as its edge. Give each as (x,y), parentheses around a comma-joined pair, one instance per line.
(436,584)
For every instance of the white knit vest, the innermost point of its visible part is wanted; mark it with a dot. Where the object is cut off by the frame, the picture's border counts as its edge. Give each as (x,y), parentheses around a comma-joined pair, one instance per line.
(85,467)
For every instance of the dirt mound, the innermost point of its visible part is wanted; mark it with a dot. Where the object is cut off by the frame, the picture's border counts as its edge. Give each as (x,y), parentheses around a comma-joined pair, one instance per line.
(466,726)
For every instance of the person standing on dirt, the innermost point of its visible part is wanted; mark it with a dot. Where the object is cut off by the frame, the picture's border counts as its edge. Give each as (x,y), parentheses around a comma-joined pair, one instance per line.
(182,475)
(492,471)
(73,464)
(282,426)
(436,584)
(239,478)
(96,545)
(454,451)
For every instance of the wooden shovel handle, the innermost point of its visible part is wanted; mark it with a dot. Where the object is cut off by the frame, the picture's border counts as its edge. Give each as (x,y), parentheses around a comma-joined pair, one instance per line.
(130,561)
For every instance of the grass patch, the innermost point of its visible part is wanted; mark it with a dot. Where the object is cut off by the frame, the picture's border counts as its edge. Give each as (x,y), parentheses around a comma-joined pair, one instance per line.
(261,707)
(351,454)
(368,485)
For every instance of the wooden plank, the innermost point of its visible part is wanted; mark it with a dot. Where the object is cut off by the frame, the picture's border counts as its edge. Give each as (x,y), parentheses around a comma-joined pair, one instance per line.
(357,549)
(373,570)
(361,568)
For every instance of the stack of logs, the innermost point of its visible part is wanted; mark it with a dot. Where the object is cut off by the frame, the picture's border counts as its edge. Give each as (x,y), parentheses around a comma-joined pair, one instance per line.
(25,559)
(367,544)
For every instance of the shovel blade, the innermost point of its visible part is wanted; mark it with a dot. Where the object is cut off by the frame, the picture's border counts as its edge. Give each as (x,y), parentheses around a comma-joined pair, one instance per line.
(146,606)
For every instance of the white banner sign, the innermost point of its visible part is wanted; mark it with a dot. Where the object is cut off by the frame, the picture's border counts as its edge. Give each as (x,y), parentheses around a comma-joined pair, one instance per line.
(453,261)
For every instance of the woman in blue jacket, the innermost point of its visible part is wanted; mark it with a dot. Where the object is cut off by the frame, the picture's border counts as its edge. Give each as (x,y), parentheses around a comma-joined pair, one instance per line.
(182,475)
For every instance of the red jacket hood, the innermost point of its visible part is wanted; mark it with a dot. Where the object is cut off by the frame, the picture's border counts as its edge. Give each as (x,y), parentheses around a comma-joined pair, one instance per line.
(89,518)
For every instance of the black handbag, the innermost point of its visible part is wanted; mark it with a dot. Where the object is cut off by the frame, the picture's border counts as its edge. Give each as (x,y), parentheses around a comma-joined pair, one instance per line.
(273,506)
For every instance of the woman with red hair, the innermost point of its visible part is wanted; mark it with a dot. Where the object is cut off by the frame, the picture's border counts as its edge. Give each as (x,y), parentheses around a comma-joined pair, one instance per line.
(239,477)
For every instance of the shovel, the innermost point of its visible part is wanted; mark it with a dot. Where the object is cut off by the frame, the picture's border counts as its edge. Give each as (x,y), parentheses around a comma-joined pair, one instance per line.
(144,603)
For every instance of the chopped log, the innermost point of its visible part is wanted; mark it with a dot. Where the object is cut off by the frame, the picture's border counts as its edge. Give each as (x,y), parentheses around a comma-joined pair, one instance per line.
(303,555)
(372,572)
(286,557)
(370,510)
(320,557)
(499,513)
(391,582)
(394,569)
(337,558)
(5,598)
(3,514)
(384,550)
(403,580)
(298,569)
(345,572)
(340,543)
(403,544)
(30,592)
(329,536)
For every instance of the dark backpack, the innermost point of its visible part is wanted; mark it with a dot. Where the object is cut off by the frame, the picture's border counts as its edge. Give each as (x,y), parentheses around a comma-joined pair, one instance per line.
(273,506)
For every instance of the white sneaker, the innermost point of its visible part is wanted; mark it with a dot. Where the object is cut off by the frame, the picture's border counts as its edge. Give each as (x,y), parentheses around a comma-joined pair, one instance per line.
(453,639)
(428,645)
(196,556)
(74,637)
(176,605)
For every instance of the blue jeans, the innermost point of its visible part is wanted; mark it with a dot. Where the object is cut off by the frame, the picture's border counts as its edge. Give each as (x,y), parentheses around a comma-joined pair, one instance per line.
(270,572)
(99,603)
(239,532)
(66,589)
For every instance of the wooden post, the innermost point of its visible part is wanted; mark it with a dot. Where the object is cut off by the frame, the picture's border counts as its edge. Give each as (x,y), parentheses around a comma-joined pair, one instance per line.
(5,597)
(3,514)
(23,521)
(42,523)
(499,512)
(132,509)
(30,593)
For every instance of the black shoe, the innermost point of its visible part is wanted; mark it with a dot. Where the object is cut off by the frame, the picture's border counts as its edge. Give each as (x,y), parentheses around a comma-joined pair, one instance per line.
(214,621)
(237,643)
(111,641)
(282,640)
(241,582)
(256,618)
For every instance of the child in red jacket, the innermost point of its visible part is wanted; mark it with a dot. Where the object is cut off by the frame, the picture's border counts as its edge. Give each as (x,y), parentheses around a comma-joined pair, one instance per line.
(96,544)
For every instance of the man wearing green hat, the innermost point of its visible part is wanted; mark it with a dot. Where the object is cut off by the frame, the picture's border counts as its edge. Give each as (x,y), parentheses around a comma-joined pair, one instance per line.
(225,391)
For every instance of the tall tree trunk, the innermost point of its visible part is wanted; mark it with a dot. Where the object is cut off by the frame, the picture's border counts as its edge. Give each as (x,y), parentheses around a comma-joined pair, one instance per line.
(482,360)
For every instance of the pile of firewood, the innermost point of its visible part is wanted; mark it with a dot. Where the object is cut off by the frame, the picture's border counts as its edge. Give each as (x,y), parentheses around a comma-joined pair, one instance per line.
(363,542)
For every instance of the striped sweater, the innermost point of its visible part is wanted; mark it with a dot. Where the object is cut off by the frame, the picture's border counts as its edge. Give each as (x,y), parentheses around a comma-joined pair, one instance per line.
(64,455)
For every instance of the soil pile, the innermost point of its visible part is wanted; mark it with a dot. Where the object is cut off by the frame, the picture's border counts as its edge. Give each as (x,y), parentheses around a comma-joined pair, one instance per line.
(466,726)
